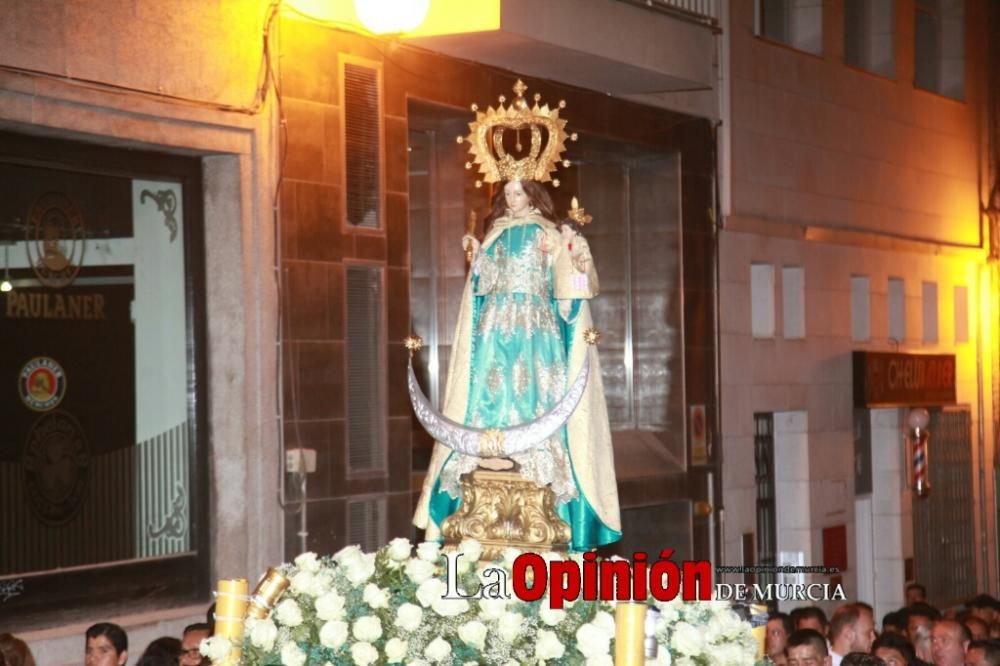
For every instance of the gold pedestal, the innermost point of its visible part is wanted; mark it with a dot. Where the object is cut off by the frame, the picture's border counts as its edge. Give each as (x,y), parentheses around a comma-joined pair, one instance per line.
(501,509)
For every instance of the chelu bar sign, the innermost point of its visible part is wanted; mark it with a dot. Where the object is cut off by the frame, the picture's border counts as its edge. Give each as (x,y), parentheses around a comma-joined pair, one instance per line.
(885,379)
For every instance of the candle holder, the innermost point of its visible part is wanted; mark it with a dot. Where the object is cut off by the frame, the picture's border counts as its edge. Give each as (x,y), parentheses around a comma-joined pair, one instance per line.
(268,591)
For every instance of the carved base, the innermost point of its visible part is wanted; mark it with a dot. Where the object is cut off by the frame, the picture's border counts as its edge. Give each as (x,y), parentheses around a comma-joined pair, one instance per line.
(501,509)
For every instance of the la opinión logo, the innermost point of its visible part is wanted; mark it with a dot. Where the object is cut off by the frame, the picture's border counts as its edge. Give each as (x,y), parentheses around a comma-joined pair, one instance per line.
(532,576)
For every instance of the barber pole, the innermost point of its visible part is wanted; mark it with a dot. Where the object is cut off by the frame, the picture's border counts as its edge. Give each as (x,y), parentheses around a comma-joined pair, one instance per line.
(919,436)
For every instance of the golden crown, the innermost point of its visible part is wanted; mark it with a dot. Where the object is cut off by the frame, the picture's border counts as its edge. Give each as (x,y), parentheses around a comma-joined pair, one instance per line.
(578,214)
(485,140)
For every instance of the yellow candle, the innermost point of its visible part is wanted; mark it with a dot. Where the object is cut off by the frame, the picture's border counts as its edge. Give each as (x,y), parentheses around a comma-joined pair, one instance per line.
(630,623)
(230,608)
(269,590)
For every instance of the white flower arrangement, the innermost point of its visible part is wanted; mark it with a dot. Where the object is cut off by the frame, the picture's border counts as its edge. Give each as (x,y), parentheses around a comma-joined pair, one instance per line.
(360,609)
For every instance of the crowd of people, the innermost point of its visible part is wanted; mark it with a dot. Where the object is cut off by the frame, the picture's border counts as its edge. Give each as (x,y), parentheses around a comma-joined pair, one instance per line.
(916,635)
(106,644)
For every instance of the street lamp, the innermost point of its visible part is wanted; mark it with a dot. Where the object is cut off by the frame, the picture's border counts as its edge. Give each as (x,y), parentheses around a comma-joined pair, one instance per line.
(391,17)
(917,438)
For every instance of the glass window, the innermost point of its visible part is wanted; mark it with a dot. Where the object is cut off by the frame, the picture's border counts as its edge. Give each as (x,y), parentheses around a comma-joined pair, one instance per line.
(797,23)
(939,47)
(100,464)
(868,35)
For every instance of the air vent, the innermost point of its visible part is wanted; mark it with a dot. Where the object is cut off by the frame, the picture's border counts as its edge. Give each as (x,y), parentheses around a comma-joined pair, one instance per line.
(363,145)
(366,524)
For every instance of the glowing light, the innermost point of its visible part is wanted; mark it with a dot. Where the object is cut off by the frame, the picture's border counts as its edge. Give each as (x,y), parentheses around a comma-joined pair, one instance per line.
(389,17)
(6,286)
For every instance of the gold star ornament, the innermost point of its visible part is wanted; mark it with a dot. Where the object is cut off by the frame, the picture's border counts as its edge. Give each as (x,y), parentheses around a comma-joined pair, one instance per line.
(413,343)
(592,336)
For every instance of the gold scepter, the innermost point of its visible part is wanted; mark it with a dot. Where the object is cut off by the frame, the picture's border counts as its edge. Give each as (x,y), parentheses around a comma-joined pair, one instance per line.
(470,228)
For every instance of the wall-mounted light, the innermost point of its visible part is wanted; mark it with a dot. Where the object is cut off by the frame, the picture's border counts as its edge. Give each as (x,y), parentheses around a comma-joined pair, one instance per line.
(6,285)
(391,17)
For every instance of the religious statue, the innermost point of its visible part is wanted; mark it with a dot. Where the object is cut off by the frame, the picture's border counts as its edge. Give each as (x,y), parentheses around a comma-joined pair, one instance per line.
(524,388)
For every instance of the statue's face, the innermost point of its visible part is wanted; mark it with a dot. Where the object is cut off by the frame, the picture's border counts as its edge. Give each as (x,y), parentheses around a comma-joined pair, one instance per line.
(517,199)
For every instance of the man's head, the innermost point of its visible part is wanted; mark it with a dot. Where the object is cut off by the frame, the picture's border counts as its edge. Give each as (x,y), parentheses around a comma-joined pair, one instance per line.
(852,629)
(894,622)
(949,639)
(916,594)
(861,659)
(807,647)
(190,642)
(985,608)
(810,617)
(779,627)
(106,645)
(978,629)
(983,653)
(894,649)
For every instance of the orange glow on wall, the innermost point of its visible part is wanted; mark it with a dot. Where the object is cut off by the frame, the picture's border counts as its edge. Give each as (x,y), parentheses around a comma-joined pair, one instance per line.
(452,17)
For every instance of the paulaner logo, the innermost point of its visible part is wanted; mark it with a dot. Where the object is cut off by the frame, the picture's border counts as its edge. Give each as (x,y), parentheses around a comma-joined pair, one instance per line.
(533,576)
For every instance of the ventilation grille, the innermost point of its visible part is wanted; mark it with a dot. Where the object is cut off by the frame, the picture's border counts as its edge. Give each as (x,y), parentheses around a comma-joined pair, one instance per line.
(365,409)
(363,149)
(366,524)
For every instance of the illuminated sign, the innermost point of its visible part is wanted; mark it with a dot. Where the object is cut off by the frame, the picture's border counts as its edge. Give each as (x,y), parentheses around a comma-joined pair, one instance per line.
(885,379)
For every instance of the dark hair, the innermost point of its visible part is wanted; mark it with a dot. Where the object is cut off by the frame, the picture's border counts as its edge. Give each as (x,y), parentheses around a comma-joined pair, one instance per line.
(165,650)
(983,601)
(897,642)
(112,632)
(917,586)
(922,610)
(197,626)
(807,612)
(786,621)
(15,652)
(861,659)
(801,637)
(845,616)
(572,224)
(894,619)
(990,648)
(538,197)
(210,619)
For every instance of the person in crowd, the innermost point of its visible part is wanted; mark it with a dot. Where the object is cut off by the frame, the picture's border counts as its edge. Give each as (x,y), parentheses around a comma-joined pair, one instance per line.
(164,651)
(949,641)
(807,647)
(984,607)
(15,651)
(861,659)
(852,629)
(106,645)
(779,627)
(810,617)
(995,631)
(978,629)
(894,649)
(916,594)
(920,620)
(193,635)
(983,653)
(894,622)
(210,619)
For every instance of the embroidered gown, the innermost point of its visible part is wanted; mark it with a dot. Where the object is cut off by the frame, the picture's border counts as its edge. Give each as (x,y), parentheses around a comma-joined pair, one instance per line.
(518,361)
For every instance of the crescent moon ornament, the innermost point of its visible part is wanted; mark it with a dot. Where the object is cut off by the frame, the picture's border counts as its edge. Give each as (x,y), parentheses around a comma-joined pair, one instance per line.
(496,442)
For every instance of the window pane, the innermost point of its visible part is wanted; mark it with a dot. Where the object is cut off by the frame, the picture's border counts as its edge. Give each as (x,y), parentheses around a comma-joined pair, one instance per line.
(365,369)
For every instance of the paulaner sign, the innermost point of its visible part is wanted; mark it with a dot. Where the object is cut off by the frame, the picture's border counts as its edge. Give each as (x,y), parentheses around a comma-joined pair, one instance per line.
(885,379)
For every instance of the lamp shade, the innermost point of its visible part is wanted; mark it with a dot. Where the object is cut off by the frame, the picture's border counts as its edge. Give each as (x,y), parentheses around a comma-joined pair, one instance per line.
(918,418)
(391,16)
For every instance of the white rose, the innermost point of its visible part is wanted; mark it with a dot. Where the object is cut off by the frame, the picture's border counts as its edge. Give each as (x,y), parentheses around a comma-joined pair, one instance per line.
(492,609)
(347,553)
(473,633)
(263,633)
(364,654)
(395,650)
(333,634)
(360,570)
(419,570)
(409,616)
(605,621)
(429,551)
(330,606)
(431,590)
(216,648)
(418,662)
(510,626)
(550,616)
(592,640)
(302,582)
(449,607)
(399,549)
(601,660)
(375,596)
(438,650)
(686,639)
(368,628)
(472,550)
(510,554)
(321,583)
(548,646)
(288,613)
(307,562)
(730,654)
(292,655)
